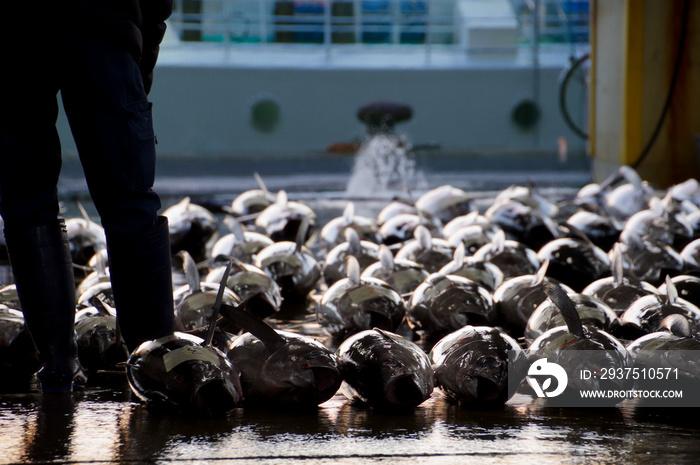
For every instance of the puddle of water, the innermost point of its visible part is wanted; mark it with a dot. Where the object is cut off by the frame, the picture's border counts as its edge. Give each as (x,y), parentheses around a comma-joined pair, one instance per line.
(107,425)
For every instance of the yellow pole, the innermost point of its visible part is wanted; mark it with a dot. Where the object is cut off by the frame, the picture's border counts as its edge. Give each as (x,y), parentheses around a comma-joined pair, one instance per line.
(633,82)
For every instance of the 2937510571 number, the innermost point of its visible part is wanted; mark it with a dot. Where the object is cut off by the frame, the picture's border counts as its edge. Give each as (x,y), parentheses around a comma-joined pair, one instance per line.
(634,373)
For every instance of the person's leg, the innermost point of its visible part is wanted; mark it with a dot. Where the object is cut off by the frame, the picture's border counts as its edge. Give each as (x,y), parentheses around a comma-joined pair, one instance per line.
(110,118)
(30,161)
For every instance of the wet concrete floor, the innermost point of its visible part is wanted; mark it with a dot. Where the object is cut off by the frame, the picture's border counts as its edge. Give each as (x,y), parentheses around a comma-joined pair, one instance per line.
(108,425)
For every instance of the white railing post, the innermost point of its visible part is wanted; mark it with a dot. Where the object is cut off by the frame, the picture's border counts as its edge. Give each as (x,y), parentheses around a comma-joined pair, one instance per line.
(262,20)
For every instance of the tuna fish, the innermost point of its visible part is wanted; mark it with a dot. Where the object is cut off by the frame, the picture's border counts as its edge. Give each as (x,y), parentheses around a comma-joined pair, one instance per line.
(384,371)
(240,244)
(258,292)
(18,358)
(443,304)
(280,368)
(432,253)
(333,233)
(248,204)
(177,373)
(365,252)
(354,304)
(282,220)
(517,298)
(192,228)
(574,262)
(292,265)
(572,345)
(445,203)
(646,313)
(485,274)
(100,346)
(193,302)
(185,373)
(512,257)
(591,311)
(618,291)
(403,275)
(471,366)
(85,238)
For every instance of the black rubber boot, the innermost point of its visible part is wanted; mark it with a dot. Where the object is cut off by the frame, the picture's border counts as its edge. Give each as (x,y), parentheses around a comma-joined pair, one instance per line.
(43,272)
(142,283)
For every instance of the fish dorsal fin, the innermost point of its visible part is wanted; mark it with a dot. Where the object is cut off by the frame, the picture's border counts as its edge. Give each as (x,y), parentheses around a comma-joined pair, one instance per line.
(471,217)
(671,291)
(100,263)
(618,269)
(659,206)
(254,326)
(677,324)
(539,277)
(349,213)
(191,271)
(282,200)
(237,230)
(386,258)
(499,242)
(353,240)
(353,267)
(301,233)
(551,225)
(582,236)
(184,203)
(566,307)
(261,183)
(385,334)
(217,305)
(459,255)
(631,176)
(235,227)
(83,212)
(422,235)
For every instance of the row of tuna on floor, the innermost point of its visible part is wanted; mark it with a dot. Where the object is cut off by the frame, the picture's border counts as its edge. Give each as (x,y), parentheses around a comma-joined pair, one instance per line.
(431,293)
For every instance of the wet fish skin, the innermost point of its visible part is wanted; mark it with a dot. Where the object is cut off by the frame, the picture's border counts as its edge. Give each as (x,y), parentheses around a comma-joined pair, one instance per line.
(293,267)
(297,372)
(385,371)
(18,358)
(176,373)
(191,228)
(471,366)
(99,346)
(563,345)
(347,307)
(442,304)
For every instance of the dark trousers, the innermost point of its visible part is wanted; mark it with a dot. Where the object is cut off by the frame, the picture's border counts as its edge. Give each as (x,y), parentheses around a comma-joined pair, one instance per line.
(109,116)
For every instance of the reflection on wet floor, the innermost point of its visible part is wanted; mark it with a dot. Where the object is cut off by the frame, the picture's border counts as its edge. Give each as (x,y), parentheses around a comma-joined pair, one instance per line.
(105,424)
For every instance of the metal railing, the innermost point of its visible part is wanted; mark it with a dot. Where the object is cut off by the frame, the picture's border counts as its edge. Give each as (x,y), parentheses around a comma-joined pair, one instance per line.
(389,22)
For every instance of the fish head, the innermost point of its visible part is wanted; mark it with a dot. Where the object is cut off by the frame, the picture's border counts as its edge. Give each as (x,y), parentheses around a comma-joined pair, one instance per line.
(281,221)
(258,292)
(295,271)
(251,201)
(445,203)
(99,348)
(176,373)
